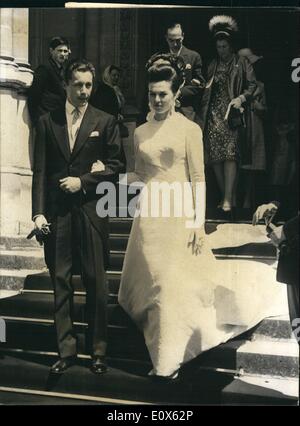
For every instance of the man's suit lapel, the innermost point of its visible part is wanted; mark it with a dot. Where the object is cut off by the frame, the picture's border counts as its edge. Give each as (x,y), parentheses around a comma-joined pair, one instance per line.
(57,75)
(88,124)
(184,54)
(60,130)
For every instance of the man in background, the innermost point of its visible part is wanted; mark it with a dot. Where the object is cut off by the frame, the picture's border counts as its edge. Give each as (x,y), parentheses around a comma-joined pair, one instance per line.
(190,93)
(286,239)
(47,92)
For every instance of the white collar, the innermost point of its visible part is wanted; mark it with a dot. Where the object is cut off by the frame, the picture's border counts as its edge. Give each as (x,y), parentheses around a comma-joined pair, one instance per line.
(70,108)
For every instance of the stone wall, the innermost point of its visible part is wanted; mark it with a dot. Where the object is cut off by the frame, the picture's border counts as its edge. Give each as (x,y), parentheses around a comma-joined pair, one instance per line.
(15,132)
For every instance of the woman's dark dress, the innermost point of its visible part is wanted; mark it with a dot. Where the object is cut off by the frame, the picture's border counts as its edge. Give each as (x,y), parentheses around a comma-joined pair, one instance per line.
(221,141)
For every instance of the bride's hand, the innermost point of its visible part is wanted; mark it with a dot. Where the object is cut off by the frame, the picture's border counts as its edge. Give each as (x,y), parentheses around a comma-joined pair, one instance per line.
(196,240)
(98,166)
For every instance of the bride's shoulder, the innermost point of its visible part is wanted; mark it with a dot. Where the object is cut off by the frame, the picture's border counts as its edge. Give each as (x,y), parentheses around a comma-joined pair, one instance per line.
(190,125)
(141,129)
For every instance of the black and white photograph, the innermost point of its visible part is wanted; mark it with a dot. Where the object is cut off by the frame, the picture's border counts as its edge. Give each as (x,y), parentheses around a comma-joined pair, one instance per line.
(149,215)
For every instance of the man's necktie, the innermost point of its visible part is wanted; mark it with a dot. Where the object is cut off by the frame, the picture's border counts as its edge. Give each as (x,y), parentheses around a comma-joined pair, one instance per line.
(75,127)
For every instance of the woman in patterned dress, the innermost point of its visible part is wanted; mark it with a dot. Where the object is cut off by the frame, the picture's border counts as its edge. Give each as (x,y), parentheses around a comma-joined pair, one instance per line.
(231,81)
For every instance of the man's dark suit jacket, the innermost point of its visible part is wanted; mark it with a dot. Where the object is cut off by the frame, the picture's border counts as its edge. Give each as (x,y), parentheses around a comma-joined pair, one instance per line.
(46,92)
(98,139)
(288,264)
(190,94)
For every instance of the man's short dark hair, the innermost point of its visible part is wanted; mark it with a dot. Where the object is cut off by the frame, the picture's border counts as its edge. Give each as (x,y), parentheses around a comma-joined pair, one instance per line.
(58,41)
(81,65)
(174,25)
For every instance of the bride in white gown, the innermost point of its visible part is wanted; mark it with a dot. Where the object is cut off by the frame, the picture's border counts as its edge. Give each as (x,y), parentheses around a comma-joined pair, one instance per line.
(182,298)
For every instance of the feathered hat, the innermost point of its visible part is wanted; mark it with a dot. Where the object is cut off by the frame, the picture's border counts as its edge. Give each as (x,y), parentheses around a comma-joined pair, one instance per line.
(222,24)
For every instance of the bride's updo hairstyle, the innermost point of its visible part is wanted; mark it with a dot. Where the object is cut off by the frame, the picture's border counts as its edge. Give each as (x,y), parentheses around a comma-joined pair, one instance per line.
(166,67)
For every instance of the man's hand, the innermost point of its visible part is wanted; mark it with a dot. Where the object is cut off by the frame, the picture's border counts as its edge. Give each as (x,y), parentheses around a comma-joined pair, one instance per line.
(264,211)
(236,103)
(40,221)
(70,184)
(98,166)
(196,82)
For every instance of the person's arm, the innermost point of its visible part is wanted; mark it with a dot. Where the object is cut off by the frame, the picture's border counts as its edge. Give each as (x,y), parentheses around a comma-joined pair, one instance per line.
(195,160)
(139,166)
(250,82)
(112,160)
(36,91)
(39,176)
(192,89)
(197,69)
(291,230)
(249,85)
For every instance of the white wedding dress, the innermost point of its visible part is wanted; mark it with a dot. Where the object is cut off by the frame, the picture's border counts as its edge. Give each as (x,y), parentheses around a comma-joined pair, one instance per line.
(185,304)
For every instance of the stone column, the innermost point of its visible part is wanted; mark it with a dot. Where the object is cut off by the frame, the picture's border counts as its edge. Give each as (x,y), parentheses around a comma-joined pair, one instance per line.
(8,68)
(15,141)
(20,45)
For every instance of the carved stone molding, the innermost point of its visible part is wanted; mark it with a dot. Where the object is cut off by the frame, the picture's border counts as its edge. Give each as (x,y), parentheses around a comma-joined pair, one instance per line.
(127,50)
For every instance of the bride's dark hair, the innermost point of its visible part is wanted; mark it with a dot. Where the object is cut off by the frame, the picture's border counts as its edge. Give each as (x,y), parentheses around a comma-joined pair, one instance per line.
(166,67)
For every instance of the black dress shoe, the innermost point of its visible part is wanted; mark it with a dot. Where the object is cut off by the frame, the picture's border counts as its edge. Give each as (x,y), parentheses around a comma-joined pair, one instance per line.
(62,365)
(99,365)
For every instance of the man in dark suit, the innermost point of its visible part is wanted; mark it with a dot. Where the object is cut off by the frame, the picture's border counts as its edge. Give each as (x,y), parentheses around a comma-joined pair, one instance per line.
(69,141)
(190,93)
(47,92)
(286,238)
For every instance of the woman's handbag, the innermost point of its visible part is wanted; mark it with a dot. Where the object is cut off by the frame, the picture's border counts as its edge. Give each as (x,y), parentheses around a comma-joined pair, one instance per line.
(235,118)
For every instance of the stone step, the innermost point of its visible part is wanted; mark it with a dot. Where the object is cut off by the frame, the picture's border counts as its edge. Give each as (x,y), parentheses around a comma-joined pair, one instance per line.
(22,259)
(123,341)
(273,328)
(14,279)
(274,359)
(277,359)
(21,243)
(40,335)
(42,306)
(12,242)
(17,260)
(8,293)
(261,391)
(125,382)
(112,297)
(118,242)
(120,226)
(42,281)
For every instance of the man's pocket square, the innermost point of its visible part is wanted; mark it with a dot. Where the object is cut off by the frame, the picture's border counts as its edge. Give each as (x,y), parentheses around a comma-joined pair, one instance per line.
(94,134)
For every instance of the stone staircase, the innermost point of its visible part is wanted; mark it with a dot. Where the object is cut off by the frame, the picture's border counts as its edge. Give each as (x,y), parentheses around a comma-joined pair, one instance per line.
(258,367)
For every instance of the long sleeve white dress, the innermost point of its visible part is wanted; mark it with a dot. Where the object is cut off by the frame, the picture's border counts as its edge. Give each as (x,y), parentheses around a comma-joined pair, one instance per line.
(184,303)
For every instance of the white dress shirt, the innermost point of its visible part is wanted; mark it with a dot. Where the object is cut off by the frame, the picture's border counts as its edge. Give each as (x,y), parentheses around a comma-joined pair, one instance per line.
(73,123)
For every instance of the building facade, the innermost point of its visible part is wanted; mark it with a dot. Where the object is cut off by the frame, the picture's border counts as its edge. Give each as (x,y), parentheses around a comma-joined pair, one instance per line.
(125,37)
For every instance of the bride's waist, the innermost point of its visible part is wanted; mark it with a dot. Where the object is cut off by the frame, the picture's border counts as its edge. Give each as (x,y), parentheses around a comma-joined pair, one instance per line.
(170,180)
